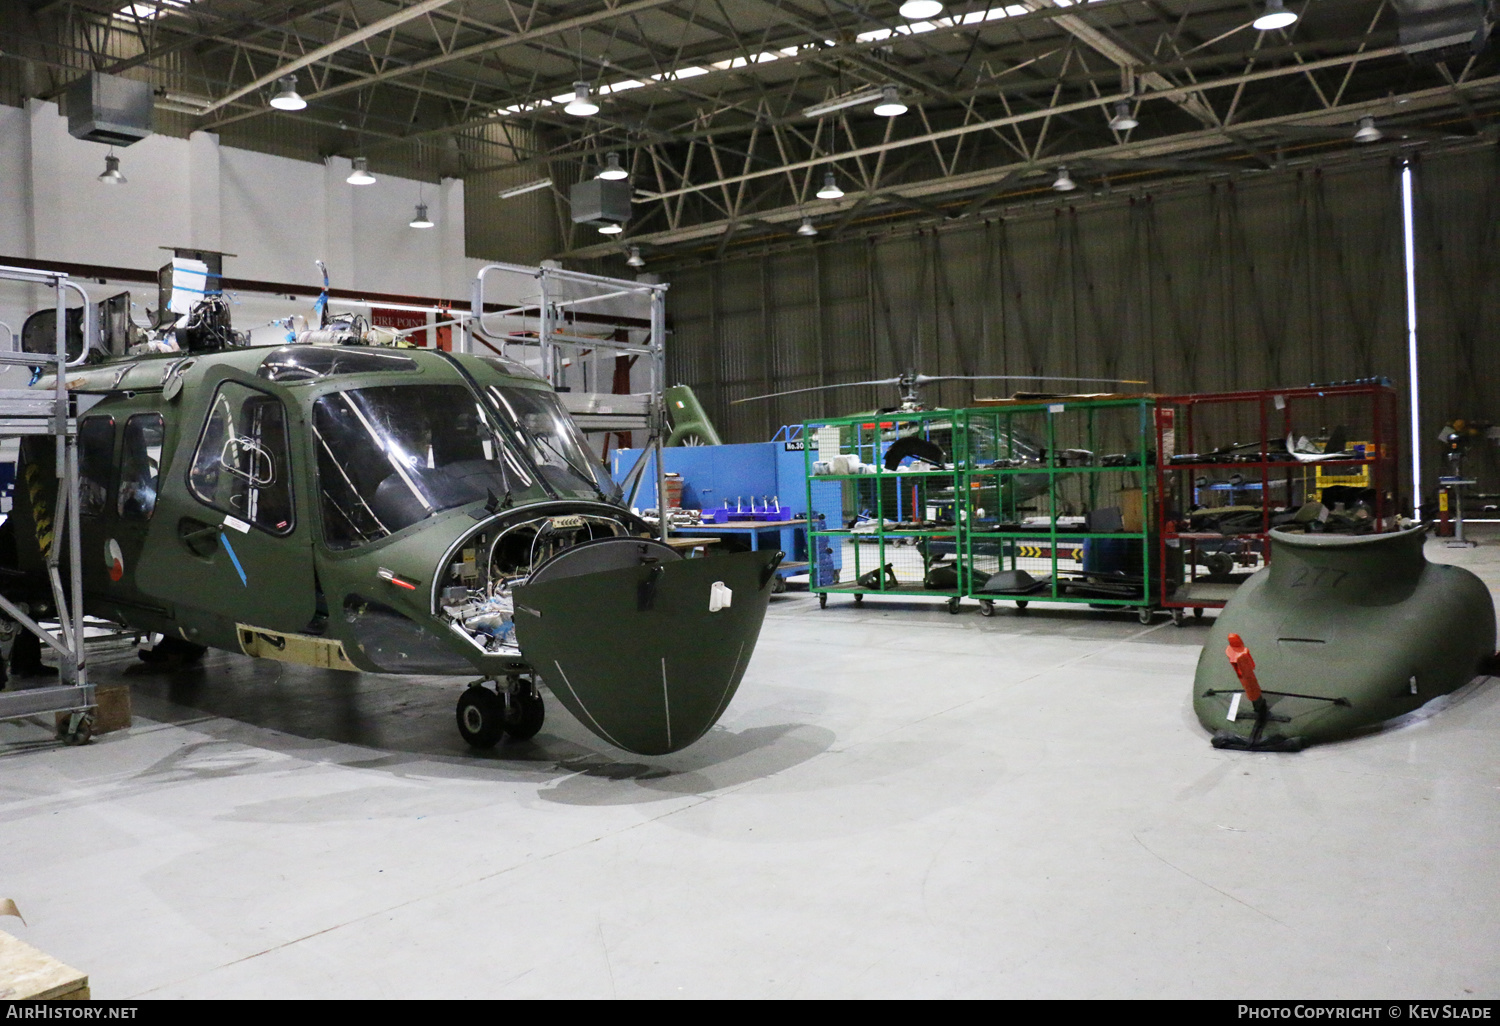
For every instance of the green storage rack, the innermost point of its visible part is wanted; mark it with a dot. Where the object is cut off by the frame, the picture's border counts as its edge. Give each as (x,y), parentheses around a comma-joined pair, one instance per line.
(896,530)
(1059,491)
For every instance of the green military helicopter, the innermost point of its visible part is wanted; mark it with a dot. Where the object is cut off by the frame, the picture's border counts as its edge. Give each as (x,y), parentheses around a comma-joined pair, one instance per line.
(380,509)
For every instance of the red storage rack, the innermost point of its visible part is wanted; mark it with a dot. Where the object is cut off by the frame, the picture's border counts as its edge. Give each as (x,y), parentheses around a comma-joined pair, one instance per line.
(1204,441)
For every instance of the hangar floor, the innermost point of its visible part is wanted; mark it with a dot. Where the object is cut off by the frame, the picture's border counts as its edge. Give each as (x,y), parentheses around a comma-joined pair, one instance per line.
(899,802)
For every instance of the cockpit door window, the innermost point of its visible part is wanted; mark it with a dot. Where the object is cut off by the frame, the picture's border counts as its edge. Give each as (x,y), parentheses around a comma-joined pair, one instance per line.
(241,464)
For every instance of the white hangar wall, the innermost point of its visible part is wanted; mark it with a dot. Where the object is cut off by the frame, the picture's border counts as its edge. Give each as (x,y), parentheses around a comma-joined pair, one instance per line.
(277,215)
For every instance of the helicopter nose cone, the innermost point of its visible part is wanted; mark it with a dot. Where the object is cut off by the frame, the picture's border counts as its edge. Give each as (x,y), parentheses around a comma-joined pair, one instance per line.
(647,657)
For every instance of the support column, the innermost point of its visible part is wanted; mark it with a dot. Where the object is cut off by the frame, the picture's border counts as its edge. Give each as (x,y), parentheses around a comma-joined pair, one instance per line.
(338,249)
(204,217)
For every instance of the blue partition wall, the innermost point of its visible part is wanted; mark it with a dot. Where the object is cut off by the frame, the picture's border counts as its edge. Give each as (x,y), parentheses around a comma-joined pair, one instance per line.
(715,475)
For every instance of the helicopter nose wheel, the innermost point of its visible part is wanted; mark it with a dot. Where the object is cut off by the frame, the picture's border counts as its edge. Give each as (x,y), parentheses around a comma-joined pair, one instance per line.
(485,716)
(524,710)
(481,716)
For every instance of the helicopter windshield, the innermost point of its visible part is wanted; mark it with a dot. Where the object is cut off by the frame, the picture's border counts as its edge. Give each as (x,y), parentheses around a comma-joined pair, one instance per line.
(392,456)
(552,442)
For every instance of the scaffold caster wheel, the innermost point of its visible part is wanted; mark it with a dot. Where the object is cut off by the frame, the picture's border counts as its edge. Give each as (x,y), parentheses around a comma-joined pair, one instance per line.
(1179,617)
(481,716)
(1197,612)
(953,604)
(524,710)
(859,598)
(1021,605)
(79,731)
(822,600)
(1145,614)
(986,607)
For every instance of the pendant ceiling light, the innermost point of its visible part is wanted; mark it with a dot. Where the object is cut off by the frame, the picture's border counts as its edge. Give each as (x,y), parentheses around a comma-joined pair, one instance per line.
(920,10)
(111,175)
(421,220)
(1367,132)
(807,227)
(890,104)
(1123,121)
(830,190)
(582,105)
(635,257)
(1063,182)
(361,173)
(612,171)
(611,229)
(1276,16)
(288,99)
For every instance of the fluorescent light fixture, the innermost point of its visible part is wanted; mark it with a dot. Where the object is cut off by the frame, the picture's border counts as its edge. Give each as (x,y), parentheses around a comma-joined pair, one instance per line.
(1063,182)
(830,188)
(1276,16)
(611,229)
(854,99)
(421,220)
(288,99)
(521,190)
(635,257)
(612,171)
(921,10)
(111,175)
(890,104)
(1409,251)
(807,228)
(581,105)
(1367,132)
(1123,121)
(361,173)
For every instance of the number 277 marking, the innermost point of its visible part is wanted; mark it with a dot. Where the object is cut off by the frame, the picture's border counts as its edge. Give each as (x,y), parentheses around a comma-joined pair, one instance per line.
(1321,577)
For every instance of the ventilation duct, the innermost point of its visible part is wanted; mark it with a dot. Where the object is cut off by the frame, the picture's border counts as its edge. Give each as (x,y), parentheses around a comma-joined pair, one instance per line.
(109,109)
(601,202)
(1435,30)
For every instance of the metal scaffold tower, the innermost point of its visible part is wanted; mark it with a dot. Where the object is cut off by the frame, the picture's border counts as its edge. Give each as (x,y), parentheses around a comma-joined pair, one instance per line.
(28,413)
(572,329)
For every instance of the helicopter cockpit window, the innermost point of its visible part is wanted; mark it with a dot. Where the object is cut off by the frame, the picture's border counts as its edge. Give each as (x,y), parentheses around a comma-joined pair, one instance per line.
(96,450)
(241,464)
(391,456)
(308,363)
(140,466)
(552,441)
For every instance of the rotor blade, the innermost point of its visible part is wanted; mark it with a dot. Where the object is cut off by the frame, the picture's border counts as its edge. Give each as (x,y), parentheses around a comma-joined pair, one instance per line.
(923,379)
(816,388)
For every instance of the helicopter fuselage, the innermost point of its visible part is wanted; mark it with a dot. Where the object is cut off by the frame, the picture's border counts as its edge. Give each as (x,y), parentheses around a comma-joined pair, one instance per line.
(368,509)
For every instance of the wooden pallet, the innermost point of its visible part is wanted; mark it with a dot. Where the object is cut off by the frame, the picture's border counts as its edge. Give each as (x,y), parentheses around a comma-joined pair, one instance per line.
(27,974)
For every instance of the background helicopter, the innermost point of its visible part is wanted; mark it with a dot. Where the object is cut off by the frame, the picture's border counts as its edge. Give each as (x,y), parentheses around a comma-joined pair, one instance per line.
(381,509)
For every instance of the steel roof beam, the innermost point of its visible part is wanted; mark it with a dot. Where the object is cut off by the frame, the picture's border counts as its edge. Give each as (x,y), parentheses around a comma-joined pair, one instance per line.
(375,28)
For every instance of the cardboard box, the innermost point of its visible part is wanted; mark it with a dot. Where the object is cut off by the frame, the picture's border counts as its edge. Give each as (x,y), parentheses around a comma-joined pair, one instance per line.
(1132,510)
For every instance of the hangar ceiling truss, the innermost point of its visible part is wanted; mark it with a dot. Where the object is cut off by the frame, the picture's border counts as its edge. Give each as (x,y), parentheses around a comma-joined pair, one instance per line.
(713,105)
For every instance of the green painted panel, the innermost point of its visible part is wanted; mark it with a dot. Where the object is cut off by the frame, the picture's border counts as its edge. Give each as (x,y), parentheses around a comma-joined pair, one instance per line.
(636,654)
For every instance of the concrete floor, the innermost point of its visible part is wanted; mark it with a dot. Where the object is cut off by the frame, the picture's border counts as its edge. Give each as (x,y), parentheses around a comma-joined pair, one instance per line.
(899,802)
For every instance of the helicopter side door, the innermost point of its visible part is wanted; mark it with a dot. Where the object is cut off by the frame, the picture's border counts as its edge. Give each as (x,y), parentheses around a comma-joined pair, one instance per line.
(226,537)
